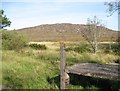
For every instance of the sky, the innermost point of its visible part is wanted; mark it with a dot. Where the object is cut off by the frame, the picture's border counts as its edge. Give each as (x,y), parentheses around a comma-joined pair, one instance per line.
(29,13)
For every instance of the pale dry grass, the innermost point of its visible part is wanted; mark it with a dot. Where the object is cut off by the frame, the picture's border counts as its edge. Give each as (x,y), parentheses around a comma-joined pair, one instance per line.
(84,57)
(103,58)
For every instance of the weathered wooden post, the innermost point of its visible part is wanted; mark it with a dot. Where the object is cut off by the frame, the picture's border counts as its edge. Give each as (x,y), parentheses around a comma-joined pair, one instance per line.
(62,65)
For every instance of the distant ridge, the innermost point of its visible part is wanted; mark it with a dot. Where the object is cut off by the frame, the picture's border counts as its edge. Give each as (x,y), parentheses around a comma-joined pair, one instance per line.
(64,31)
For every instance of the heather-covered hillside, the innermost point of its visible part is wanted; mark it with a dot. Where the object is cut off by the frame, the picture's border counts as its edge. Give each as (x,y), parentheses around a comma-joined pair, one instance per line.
(64,31)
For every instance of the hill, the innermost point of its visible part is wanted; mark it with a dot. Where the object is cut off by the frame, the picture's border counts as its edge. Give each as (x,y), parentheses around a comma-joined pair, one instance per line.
(64,31)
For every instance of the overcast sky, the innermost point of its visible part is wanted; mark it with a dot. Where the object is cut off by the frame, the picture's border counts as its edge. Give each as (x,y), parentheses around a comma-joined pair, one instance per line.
(29,13)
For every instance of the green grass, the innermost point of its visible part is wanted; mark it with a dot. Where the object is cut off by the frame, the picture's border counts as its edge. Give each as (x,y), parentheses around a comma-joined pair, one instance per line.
(26,72)
(40,68)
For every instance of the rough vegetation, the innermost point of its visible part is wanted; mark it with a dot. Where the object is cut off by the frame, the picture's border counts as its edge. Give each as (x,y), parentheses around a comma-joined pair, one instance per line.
(40,68)
(11,40)
(64,31)
(37,66)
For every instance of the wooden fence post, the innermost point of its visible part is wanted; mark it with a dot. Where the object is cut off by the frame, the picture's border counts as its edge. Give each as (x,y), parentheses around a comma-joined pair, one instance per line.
(62,65)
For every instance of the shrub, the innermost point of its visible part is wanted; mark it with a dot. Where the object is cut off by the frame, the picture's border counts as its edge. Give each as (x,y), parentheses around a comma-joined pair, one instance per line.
(12,40)
(115,48)
(38,46)
(69,49)
(105,48)
(110,48)
(80,49)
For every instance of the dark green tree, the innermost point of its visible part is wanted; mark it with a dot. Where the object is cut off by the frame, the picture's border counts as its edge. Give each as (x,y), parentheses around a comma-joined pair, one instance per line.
(4,21)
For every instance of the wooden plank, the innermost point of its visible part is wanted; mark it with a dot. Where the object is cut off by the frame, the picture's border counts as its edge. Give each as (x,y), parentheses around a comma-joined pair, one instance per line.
(62,65)
(95,70)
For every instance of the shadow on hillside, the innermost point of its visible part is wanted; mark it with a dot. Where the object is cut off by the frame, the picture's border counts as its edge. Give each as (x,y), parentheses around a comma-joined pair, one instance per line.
(86,82)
